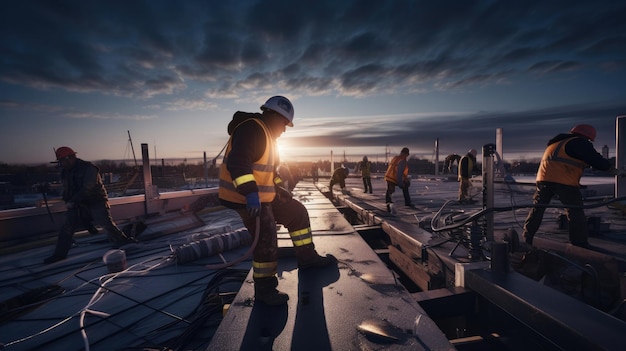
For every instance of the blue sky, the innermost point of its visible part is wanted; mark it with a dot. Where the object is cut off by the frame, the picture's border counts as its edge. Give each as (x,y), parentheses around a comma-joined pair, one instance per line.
(363,75)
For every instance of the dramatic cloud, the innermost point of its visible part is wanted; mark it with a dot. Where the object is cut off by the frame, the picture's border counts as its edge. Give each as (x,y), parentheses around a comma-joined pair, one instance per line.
(514,60)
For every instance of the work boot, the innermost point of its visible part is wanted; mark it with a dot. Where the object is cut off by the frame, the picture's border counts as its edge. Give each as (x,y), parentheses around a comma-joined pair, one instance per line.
(121,241)
(266,292)
(309,258)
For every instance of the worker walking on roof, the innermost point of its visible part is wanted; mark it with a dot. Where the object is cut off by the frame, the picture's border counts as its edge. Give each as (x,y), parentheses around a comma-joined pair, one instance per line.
(314,172)
(467,165)
(366,167)
(339,177)
(561,168)
(85,197)
(398,175)
(249,185)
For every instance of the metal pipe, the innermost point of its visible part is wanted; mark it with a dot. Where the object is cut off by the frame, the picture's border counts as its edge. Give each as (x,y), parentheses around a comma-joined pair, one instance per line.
(620,155)
(488,189)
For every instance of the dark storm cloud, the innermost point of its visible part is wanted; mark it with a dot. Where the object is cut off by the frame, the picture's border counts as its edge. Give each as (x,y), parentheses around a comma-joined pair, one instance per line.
(210,54)
(147,48)
(525,132)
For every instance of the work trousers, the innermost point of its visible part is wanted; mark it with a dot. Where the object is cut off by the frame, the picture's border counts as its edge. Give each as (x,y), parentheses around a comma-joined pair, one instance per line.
(391,188)
(367,184)
(74,220)
(290,213)
(464,189)
(568,195)
(341,182)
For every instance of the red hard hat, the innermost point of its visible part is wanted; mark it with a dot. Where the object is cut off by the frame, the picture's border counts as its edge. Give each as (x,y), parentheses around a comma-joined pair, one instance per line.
(64,152)
(585,130)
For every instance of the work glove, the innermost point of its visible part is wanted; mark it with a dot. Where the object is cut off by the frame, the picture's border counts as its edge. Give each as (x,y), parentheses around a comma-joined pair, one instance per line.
(283,194)
(253,204)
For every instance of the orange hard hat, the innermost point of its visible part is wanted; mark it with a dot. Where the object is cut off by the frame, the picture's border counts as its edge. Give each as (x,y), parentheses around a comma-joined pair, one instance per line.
(64,152)
(585,130)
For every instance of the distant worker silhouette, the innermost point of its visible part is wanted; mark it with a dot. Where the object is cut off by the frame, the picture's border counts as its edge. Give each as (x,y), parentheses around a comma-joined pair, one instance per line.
(85,197)
(467,166)
(561,168)
(250,185)
(365,167)
(397,175)
(339,177)
(314,172)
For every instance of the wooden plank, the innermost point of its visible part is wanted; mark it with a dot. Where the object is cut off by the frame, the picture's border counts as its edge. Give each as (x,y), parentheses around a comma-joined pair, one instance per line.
(415,271)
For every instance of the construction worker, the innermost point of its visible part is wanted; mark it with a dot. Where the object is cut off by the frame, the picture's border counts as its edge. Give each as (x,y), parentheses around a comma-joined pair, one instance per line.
(86,199)
(366,167)
(314,172)
(449,162)
(398,175)
(561,168)
(467,165)
(248,184)
(339,177)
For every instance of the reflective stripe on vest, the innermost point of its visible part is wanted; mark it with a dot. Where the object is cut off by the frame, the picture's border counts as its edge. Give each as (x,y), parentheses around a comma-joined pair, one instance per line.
(392,170)
(301,237)
(262,172)
(558,167)
(470,166)
(264,269)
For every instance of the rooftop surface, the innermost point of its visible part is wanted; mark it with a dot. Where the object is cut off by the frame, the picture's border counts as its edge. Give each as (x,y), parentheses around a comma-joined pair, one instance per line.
(162,300)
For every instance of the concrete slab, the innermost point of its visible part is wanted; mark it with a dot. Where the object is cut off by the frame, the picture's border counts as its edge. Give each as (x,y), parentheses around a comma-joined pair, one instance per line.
(357,304)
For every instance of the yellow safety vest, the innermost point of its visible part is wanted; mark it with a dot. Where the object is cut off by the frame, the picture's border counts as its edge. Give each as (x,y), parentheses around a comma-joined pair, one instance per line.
(558,167)
(470,166)
(262,172)
(392,170)
(365,169)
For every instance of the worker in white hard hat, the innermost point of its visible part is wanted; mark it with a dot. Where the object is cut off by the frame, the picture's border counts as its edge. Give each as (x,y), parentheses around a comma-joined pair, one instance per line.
(250,185)
(467,166)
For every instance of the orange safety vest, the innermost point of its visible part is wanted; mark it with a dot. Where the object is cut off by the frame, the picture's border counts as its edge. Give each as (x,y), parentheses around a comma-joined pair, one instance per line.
(558,167)
(262,172)
(392,170)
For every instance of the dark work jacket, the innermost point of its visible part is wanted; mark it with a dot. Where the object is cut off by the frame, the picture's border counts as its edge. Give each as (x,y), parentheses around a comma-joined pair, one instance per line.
(82,184)
(248,146)
(581,148)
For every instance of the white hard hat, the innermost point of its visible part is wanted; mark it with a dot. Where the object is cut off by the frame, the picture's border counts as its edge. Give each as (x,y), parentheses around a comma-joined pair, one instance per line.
(282,105)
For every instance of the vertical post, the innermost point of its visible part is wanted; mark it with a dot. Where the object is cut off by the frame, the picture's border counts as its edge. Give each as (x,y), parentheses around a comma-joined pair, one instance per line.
(620,155)
(499,150)
(488,196)
(499,146)
(437,156)
(206,172)
(150,190)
